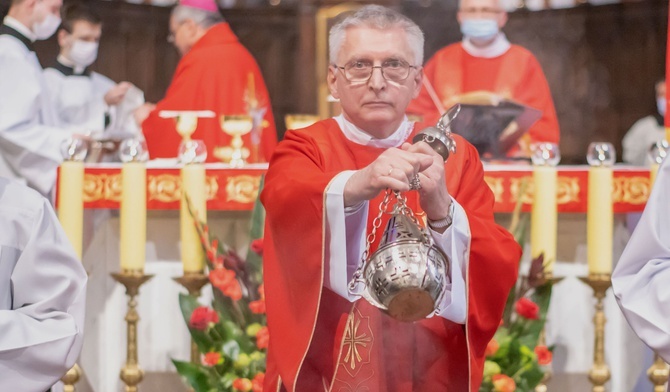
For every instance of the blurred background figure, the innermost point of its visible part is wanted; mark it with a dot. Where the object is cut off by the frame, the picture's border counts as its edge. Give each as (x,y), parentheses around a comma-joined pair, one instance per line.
(217,73)
(484,68)
(81,97)
(646,131)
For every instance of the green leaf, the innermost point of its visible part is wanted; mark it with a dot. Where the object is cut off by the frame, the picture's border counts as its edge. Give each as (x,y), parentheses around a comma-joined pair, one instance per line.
(196,376)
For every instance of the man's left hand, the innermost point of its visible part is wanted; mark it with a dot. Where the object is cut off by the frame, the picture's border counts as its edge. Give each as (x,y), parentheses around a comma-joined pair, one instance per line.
(434,197)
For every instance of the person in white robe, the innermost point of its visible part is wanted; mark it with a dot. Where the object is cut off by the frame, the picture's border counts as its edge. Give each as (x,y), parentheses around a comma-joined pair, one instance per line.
(645,132)
(30,136)
(42,293)
(641,278)
(84,98)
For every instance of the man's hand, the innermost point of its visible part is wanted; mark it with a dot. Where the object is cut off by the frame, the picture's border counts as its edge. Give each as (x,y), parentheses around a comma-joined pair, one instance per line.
(142,112)
(394,169)
(434,197)
(117,93)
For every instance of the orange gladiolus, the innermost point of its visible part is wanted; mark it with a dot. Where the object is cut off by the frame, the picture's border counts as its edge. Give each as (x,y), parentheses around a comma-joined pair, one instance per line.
(262,338)
(242,384)
(544,356)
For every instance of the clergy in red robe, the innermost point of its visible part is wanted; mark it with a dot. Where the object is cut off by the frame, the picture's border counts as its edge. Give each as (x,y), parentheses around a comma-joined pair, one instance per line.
(486,61)
(322,193)
(216,73)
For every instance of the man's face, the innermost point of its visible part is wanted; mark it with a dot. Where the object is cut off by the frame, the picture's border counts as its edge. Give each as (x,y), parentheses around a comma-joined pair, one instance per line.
(660,90)
(182,34)
(82,30)
(45,7)
(376,105)
(482,9)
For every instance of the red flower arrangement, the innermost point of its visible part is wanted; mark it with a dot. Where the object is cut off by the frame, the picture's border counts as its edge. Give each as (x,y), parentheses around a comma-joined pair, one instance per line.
(231,335)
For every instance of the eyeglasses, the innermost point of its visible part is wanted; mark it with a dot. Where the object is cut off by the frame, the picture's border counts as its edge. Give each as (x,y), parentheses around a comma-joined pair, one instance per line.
(360,71)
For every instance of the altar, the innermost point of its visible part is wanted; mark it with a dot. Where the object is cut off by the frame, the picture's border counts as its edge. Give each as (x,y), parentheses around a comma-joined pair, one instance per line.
(231,192)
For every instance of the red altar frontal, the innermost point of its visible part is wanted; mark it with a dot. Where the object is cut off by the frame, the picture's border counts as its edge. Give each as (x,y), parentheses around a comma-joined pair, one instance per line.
(234,189)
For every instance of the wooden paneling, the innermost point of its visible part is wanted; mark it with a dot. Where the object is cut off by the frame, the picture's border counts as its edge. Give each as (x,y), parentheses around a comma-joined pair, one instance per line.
(601,62)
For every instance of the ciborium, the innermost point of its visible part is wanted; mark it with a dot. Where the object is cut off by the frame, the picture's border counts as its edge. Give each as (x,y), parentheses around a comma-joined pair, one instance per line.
(406,276)
(236,126)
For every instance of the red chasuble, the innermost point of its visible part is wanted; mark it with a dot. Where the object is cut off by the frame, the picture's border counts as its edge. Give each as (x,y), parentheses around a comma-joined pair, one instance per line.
(214,76)
(319,340)
(516,75)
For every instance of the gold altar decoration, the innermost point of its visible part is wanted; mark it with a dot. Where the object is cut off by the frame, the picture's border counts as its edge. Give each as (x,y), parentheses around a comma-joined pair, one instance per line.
(102,187)
(131,373)
(193,282)
(166,188)
(633,190)
(236,126)
(242,189)
(599,373)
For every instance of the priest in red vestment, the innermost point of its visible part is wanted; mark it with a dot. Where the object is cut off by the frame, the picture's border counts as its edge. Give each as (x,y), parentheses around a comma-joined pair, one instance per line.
(485,61)
(322,192)
(216,73)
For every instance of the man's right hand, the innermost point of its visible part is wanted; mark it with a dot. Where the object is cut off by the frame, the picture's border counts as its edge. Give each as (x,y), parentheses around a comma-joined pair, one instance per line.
(142,112)
(116,94)
(393,169)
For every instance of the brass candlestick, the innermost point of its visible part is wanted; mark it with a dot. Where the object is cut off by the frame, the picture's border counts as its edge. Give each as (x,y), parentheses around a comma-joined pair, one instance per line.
(600,372)
(70,378)
(542,386)
(131,374)
(193,282)
(658,373)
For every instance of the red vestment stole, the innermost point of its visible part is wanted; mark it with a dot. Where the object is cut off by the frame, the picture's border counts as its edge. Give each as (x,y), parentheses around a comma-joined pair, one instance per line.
(213,75)
(319,340)
(516,74)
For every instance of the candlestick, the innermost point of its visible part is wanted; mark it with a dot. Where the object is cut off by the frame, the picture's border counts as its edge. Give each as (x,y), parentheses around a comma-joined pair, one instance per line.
(600,372)
(599,215)
(544,218)
(131,373)
(193,282)
(133,215)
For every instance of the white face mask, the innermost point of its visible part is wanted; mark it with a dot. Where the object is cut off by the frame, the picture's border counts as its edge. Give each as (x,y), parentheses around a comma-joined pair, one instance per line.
(660,105)
(479,29)
(46,28)
(83,53)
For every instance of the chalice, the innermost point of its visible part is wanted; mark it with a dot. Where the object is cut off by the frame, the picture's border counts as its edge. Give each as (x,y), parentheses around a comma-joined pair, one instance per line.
(186,124)
(236,126)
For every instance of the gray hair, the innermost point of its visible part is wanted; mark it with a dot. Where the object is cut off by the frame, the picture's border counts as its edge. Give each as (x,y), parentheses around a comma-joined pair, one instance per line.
(202,18)
(377,17)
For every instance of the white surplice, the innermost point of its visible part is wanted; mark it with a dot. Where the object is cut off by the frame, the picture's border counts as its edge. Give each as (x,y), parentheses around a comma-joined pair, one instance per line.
(641,279)
(30,139)
(42,293)
(78,97)
(346,232)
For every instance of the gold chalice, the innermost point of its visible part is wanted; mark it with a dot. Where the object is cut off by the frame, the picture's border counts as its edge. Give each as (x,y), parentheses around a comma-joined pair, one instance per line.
(236,126)
(186,125)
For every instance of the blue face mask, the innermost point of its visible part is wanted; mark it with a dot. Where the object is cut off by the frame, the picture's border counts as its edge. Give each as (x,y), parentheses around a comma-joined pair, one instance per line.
(479,29)
(660,105)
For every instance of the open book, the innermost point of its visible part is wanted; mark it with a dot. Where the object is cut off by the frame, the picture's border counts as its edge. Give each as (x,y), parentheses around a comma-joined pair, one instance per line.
(493,124)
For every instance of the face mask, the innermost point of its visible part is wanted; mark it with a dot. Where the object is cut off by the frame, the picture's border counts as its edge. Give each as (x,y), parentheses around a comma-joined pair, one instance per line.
(661,105)
(83,53)
(479,29)
(46,28)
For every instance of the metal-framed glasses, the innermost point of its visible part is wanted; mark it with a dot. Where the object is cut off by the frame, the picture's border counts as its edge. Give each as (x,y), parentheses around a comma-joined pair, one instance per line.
(360,71)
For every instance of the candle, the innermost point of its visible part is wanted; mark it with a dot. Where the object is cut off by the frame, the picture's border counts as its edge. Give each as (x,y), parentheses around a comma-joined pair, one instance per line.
(599,213)
(544,218)
(193,186)
(71,202)
(133,216)
(544,215)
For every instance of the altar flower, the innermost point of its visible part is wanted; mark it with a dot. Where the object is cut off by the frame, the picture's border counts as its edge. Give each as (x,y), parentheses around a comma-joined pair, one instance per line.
(544,355)
(231,334)
(527,308)
(202,318)
(503,383)
(257,246)
(492,347)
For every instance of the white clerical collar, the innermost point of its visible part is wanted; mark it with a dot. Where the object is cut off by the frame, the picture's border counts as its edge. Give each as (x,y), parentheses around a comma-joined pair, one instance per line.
(498,47)
(359,136)
(20,27)
(78,70)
